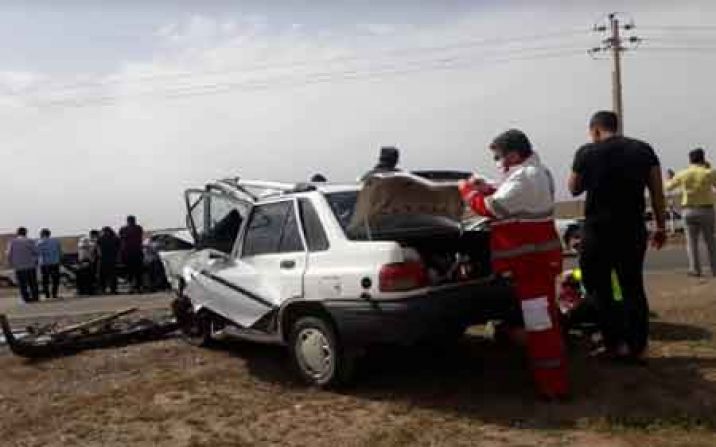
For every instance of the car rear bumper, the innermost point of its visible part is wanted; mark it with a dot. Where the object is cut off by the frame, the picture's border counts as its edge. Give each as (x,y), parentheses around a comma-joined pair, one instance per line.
(407,320)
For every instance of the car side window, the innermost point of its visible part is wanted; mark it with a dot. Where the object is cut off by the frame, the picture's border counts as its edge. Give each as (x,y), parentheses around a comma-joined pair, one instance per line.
(217,220)
(291,235)
(312,226)
(272,229)
(225,218)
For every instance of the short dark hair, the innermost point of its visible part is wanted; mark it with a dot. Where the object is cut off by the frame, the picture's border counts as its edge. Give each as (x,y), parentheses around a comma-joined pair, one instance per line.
(45,232)
(131,219)
(94,233)
(605,120)
(318,178)
(697,156)
(513,140)
(389,156)
(22,231)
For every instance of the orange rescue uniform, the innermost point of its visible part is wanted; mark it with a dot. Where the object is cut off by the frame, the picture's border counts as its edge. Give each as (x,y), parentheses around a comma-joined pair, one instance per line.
(525,244)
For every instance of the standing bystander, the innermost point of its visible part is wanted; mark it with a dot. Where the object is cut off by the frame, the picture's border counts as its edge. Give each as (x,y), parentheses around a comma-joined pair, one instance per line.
(50,253)
(87,263)
(131,237)
(108,248)
(387,162)
(697,183)
(615,172)
(22,257)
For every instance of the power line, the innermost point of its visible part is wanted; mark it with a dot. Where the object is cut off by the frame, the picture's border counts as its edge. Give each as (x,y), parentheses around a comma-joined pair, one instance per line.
(281,77)
(651,42)
(220,88)
(686,28)
(395,52)
(680,48)
(257,86)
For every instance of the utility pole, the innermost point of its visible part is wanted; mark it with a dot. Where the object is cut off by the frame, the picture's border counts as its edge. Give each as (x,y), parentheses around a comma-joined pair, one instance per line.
(616,45)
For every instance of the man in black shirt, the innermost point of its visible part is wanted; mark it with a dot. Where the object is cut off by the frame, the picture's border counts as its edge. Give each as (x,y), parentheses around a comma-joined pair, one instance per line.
(615,172)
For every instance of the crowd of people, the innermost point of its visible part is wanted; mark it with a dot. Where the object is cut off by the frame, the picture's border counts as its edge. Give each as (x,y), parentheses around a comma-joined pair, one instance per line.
(100,255)
(24,256)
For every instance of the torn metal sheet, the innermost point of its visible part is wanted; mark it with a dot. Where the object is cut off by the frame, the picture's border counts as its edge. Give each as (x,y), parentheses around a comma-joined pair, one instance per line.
(105,331)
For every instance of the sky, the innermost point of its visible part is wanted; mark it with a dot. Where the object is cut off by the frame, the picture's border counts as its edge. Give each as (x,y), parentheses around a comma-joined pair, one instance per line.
(113,108)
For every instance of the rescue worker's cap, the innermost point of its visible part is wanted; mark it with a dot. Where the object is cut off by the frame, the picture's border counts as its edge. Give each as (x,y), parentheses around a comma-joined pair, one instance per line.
(512,140)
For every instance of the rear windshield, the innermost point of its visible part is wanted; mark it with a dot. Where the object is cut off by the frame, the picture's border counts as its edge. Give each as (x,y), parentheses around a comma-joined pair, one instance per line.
(343,205)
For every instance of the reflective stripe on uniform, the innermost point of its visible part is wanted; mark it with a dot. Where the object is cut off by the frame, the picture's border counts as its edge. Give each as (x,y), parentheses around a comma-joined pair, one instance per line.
(526,249)
(522,216)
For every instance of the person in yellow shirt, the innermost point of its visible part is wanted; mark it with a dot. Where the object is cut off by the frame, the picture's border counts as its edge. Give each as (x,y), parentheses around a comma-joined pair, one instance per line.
(697,183)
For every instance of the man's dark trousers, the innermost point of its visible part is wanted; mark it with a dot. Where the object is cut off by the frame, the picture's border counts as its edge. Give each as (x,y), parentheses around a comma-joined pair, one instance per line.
(620,249)
(108,276)
(27,283)
(50,273)
(134,263)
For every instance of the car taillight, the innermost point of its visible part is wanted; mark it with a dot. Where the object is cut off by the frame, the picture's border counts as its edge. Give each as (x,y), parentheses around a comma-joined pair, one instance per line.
(403,276)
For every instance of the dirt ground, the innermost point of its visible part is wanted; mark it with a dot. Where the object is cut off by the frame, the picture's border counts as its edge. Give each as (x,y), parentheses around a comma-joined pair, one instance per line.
(170,394)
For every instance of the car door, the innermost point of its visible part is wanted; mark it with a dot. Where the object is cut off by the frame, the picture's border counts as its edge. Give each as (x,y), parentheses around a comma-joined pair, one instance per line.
(215,220)
(267,267)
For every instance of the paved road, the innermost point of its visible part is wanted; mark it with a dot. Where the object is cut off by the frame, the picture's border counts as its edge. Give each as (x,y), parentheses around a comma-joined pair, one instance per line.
(671,258)
(74,308)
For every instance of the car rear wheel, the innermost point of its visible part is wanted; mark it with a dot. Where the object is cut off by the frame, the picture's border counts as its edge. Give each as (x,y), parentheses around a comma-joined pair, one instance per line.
(317,353)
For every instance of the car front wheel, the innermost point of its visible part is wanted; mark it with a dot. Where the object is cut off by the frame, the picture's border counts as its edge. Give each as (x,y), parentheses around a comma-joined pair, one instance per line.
(317,353)
(195,327)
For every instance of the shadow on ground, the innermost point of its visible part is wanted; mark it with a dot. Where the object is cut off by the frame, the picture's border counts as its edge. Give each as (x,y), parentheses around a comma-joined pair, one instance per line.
(489,382)
(665,331)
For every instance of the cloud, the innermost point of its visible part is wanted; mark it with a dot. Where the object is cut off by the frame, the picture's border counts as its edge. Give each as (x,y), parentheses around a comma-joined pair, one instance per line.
(15,82)
(246,96)
(378,29)
(200,31)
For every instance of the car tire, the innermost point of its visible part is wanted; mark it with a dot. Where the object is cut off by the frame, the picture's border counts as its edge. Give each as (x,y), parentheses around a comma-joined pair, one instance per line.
(317,354)
(195,327)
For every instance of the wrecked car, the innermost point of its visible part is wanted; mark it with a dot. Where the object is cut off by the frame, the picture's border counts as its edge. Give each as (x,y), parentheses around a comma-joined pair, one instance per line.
(330,270)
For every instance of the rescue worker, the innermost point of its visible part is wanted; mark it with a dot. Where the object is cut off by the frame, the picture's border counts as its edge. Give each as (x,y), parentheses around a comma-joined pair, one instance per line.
(525,244)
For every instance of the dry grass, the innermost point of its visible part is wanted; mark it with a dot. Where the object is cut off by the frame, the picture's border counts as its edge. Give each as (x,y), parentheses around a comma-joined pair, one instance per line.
(167,393)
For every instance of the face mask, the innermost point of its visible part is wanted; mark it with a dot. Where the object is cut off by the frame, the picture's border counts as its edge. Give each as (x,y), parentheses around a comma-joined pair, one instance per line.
(499,162)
